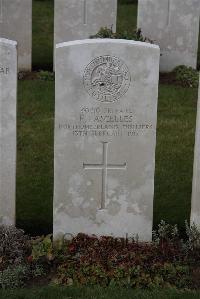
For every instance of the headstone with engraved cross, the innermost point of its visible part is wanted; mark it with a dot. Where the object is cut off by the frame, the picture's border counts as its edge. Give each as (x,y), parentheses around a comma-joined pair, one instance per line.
(8,95)
(79,19)
(174,26)
(16,24)
(105,136)
(195,207)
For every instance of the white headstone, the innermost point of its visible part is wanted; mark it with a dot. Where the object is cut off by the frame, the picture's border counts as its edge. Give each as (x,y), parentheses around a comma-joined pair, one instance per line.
(16,24)
(195,209)
(105,137)
(8,95)
(174,26)
(79,19)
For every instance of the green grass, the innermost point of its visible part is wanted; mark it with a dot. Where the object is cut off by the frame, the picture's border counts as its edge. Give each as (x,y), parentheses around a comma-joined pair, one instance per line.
(127,17)
(35,155)
(43,15)
(174,154)
(94,293)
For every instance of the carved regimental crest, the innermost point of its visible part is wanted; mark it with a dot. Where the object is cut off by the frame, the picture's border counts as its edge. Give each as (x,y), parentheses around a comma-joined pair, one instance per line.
(106,78)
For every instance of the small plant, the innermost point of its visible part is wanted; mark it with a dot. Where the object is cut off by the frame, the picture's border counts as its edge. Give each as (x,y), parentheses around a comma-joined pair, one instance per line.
(46,76)
(42,247)
(22,75)
(187,76)
(13,246)
(165,233)
(136,35)
(37,270)
(13,276)
(193,235)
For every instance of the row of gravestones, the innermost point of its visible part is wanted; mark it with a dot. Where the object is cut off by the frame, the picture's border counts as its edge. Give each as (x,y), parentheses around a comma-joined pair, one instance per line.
(172,24)
(105,137)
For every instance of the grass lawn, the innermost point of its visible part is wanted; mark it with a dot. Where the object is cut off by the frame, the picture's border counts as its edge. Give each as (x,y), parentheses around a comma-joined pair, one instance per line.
(43,20)
(174,154)
(94,293)
(35,155)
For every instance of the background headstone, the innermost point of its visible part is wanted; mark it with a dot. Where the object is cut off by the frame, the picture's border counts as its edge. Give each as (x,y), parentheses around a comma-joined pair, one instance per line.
(105,137)
(195,210)
(16,24)
(8,95)
(174,26)
(79,19)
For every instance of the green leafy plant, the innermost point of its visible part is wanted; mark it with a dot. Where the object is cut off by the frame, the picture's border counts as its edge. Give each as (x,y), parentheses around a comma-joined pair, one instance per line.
(13,246)
(186,76)
(166,232)
(13,276)
(136,35)
(42,247)
(46,76)
(193,235)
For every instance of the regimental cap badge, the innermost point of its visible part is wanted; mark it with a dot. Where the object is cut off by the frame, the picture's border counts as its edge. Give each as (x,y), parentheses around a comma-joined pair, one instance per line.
(106,78)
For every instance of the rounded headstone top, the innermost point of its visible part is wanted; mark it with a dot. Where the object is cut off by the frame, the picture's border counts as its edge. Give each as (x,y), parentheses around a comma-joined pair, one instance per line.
(107,41)
(8,41)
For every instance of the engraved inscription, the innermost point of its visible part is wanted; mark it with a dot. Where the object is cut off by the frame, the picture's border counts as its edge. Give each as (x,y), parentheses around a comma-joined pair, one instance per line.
(85,12)
(1,11)
(104,167)
(106,78)
(4,70)
(106,122)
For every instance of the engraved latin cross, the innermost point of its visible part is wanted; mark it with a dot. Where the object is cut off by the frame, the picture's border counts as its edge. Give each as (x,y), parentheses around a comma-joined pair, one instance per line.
(104,167)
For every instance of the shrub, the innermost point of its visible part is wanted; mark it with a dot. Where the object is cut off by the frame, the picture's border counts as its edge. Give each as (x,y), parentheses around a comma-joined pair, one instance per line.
(13,276)
(42,248)
(13,246)
(136,35)
(187,76)
(89,260)
(46,76)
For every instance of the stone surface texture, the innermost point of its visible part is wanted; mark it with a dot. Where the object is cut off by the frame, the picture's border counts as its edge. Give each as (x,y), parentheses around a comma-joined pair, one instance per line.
(8,95)
(105,137)
(16,24)
(195,209)
(174,26)
(79,19)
